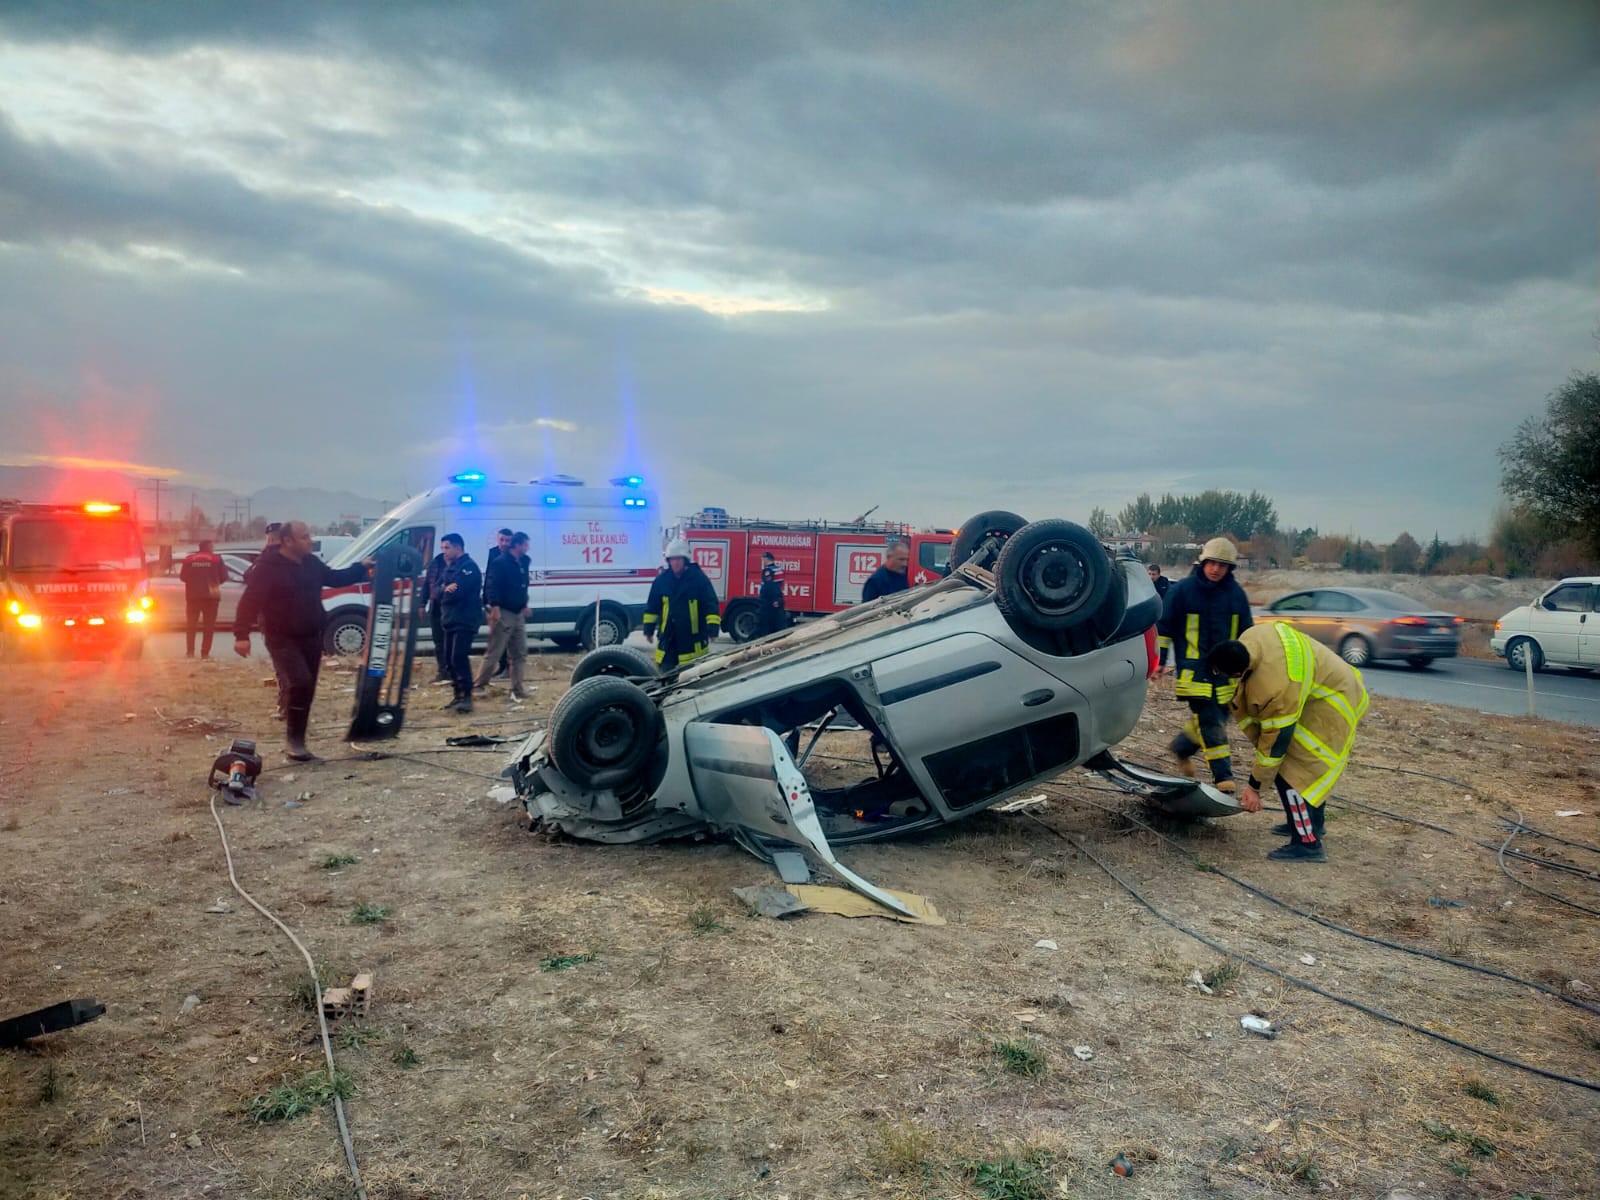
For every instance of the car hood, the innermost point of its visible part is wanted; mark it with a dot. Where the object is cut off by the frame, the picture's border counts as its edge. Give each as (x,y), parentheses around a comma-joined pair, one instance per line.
(1518,615)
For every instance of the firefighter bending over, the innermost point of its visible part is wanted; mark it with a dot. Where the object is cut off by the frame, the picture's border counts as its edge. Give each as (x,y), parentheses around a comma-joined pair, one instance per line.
(1301,704)
(681,616)
(1202,610)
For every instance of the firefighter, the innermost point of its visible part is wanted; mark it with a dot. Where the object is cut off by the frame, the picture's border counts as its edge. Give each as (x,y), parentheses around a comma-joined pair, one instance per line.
(773,614)
(461,614)
(203,575)
(1202,610)
(891,577)
(681,616)
(1301,703)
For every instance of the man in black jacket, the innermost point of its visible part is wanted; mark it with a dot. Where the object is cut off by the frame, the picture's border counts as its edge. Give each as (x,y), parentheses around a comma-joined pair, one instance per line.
(1162,585)
(505,589)
(285,589)
(682,615)
(1203,610)
(891,577)
(203,575)
(773,615)
(461,612)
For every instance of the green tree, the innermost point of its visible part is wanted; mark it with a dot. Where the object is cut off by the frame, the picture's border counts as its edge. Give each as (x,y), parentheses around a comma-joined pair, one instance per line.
(1138,517)
(1552,464)
(1403,555)
(1100,524)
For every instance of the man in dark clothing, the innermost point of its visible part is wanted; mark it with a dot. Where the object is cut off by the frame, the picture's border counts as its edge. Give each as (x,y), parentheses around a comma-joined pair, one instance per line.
(1161,583)
(773,615)
(461,613)
(431,597)
(285,589)
(682,615)
(891,577)
(502,543)
(203,575)
(270,548)
(1203,610)
(505,587)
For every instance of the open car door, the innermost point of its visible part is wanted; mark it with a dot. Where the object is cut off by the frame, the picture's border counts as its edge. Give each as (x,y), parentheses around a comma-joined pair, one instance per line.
(747,784)
(385,674)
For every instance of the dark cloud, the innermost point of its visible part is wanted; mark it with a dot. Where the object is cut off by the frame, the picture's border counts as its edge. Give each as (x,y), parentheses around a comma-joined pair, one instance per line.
(1040,255)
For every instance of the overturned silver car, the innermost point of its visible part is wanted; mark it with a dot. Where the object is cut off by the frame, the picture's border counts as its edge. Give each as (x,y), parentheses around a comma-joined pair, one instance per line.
(1029,659)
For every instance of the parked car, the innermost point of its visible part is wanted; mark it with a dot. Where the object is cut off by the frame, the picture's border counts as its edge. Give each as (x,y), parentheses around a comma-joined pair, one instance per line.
(965,691)
(1559,629)
(1369,625)
(167,593)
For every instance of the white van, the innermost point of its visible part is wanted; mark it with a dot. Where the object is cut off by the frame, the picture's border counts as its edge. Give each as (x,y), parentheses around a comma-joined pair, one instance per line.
(593,553)
(1559,629)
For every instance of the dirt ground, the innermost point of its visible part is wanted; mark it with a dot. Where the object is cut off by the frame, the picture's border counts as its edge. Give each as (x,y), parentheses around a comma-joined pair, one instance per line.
(563,1020)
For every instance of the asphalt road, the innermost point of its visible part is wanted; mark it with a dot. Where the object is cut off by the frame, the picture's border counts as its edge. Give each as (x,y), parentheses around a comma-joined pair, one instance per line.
(1487,686)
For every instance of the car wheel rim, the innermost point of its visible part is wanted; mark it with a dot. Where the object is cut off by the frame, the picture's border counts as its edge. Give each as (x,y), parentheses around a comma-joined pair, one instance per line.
(1355,653)
(349,639)
(607,633)
(1055,579)
(608,738)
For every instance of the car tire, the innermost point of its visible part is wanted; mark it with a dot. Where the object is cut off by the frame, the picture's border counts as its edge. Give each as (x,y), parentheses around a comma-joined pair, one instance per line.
(620,662)
(1052,575)
(346,633)
(1356,650)
(604,733)
(741,620)
(614,628)
(997,524)
(1418,662)
(1519,646)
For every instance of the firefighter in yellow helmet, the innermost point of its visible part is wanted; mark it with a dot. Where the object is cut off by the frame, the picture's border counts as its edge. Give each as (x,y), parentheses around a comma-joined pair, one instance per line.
(1204,609)
(1301,704)
(681,616)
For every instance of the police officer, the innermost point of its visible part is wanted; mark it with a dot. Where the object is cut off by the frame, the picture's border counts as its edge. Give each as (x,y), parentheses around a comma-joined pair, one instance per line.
(681,616)
(285,589)
(773,616)
(461,613)
(1204,609)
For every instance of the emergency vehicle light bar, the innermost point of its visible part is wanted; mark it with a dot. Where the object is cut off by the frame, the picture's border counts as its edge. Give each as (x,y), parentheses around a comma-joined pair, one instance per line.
(631,481)
(633,502)
(468,477)
(100,508)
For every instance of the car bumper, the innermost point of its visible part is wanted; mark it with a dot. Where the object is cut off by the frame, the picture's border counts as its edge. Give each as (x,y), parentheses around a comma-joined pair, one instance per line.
(1423,646)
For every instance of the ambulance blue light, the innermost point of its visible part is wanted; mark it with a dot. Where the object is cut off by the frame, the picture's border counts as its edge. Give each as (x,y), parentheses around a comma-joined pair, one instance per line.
(552,500)
(467,498)
(468,477)
(631,481)
(633,502)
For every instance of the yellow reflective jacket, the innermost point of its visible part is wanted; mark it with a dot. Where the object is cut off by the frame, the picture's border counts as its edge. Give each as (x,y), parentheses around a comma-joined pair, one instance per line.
(1301,703)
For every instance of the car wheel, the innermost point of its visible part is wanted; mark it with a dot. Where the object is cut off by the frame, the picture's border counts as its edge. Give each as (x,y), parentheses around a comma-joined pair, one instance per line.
(986,527)
(1518,651)
(622,662)
(1356,650)
(345,634)
(742,621)
(611,630)
(1418,663)
(603,733)
(1051,575)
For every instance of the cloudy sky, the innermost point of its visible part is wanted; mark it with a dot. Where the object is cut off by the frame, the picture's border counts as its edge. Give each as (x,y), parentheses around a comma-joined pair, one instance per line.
(800,259)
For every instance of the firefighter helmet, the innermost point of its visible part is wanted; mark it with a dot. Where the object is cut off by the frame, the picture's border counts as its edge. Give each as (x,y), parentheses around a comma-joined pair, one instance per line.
(678,548)
(1220,549)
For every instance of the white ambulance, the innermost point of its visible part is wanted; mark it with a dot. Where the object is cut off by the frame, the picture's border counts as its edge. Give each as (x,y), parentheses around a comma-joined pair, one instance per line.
(593,553)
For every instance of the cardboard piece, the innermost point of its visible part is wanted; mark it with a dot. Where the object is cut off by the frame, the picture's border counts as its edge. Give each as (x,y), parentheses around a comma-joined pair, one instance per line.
(852,904)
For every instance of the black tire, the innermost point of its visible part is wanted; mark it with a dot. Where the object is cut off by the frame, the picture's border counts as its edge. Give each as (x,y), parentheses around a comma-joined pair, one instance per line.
(1052,575)
(620,662)
(1517,647)
(603,733)
(741,620)
(1356,650)
(614,628)
(1418,662)
(346,633)
(997,524)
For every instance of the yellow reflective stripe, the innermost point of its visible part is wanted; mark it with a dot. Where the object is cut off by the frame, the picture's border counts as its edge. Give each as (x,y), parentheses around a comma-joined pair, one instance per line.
(1164,643)
(694,616)
(714,619)
(1316,745)
(1191,628)
(1213,753)
(1267,761)
(650,618)
(1233,628)
(1226,691)
(1337,700)
(1279,722)
(666,607)
(1247,723)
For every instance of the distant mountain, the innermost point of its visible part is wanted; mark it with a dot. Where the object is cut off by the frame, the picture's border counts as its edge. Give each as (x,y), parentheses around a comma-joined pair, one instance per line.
(314,505)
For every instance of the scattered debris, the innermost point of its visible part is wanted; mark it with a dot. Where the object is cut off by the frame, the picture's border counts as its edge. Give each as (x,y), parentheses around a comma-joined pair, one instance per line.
(1023,803)
(1082,1053)
(1569,812)
(502,793)
(1121,1165)
(1441,902)
(352,1001)
(190,1003)
(1045,944)
(1258,1025)
(51,1019)
(770,901)
(1309,960)
(844,903)
(192,1141)
(1579,988)
(792,866)
(221,907)
(1197,982)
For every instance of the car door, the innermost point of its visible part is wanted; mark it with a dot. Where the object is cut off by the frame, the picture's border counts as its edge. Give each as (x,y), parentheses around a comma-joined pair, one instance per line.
(1557,619)
(232,590)
(1589,630)
(746,782)
(1300,610)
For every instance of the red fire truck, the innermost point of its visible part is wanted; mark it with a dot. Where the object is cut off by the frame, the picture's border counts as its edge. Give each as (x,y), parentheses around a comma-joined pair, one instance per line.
(824,563)
(72,580)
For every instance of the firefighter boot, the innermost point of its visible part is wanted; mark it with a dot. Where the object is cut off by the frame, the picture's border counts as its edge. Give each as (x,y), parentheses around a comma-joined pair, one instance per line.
(1182,750)
(1299,852)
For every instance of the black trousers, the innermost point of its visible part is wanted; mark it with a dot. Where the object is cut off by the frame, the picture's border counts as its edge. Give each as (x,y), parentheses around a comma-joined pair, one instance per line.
(1305,819)
(1206,731)
(441,653)
(458,658)
(297,662)
(199,612)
